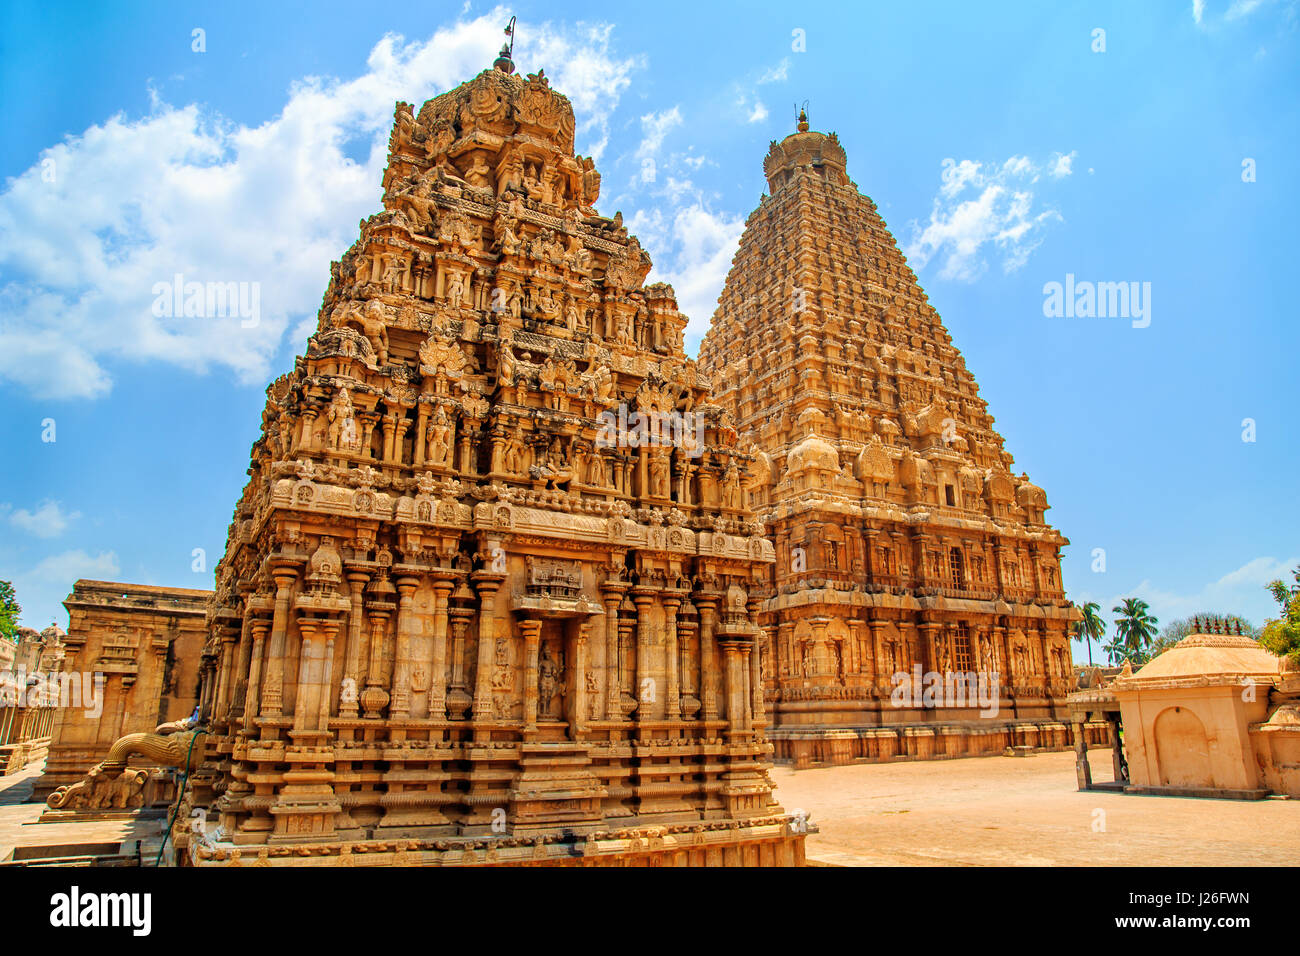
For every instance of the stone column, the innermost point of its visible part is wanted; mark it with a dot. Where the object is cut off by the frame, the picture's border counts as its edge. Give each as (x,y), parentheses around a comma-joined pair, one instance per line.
(578,663)
(707,604)
(272,693)
(613,595)
(329,628)
(532,631)
(260,626)
(422,419)
(400,707)
(442,587)
(239,696)
(930,641)
(307,663)
(644,599)
(487,584)
(1081,769)
(229,637)
(756,679)
(390,431)
(734,685)
(671,602)
(355,652)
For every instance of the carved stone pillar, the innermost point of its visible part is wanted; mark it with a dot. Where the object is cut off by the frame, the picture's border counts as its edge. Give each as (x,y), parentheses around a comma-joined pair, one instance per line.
(671,601)
(532,631)
(646,691)
(239,698)
(229,639)
(390,433)
(422,420)
(613,595)
(260,626)
(930,641)
(401,693)
(442,588)
(349,689)
(487,583)
(707,604)
(578,663)
(272,693)
(733,685)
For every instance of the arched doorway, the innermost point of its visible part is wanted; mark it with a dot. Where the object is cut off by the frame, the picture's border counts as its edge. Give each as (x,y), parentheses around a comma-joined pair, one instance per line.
(1182,749)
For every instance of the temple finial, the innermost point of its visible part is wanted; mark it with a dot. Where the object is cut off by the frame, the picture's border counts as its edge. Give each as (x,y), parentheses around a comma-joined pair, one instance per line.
(802,124)
(505,59)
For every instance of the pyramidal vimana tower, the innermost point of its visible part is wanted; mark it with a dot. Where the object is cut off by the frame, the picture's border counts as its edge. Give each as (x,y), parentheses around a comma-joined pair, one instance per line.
(905,543)
(470,610)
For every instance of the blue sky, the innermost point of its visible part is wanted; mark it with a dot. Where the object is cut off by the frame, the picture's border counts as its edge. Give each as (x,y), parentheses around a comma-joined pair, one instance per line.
(1003,147)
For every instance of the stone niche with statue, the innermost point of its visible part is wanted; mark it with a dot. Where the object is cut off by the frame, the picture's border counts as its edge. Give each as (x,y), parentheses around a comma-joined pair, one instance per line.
(456,623)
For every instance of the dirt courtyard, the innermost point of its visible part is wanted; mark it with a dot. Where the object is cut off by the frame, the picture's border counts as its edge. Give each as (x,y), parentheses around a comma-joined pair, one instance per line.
(1024,811)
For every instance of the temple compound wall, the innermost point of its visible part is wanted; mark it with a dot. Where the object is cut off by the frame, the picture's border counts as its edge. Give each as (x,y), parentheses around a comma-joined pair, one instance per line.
(472,610)
(27,703)
(131,660)
(915,608)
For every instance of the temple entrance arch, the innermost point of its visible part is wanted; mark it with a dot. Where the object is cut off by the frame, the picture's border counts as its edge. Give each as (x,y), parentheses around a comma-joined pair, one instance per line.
(1182,749)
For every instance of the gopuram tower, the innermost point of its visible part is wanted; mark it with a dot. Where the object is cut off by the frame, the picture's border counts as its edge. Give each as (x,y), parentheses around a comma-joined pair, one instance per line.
(905,543)
(472,609)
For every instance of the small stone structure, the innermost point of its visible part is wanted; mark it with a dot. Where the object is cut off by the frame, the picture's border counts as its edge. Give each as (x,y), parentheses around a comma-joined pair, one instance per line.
(146,643)
(1212,716)
(1216,715)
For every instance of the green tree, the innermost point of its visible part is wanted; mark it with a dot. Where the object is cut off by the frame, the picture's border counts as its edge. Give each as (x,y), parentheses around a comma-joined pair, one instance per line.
(1091,628)
(9,612)
(1134,628)
(1282,635)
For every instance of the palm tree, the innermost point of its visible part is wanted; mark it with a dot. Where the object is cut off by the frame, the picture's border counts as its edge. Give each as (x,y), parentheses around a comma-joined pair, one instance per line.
(1091,628)
(1134,628)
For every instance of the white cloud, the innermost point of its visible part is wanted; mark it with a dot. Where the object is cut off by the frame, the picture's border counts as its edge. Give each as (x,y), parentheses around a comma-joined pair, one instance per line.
(135,201)
(654,127)
(692,248)
(758,113)
(982,209)
(1062,167)
(776,74)
(1236,10)
(67,567)
(49,520)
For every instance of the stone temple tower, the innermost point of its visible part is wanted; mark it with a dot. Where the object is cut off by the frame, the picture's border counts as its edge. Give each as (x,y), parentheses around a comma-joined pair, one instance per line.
(489,594)
(905,543)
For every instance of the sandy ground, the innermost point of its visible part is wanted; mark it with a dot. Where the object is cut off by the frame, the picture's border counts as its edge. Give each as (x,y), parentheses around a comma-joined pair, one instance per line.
(1017,811)
(1024,811)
